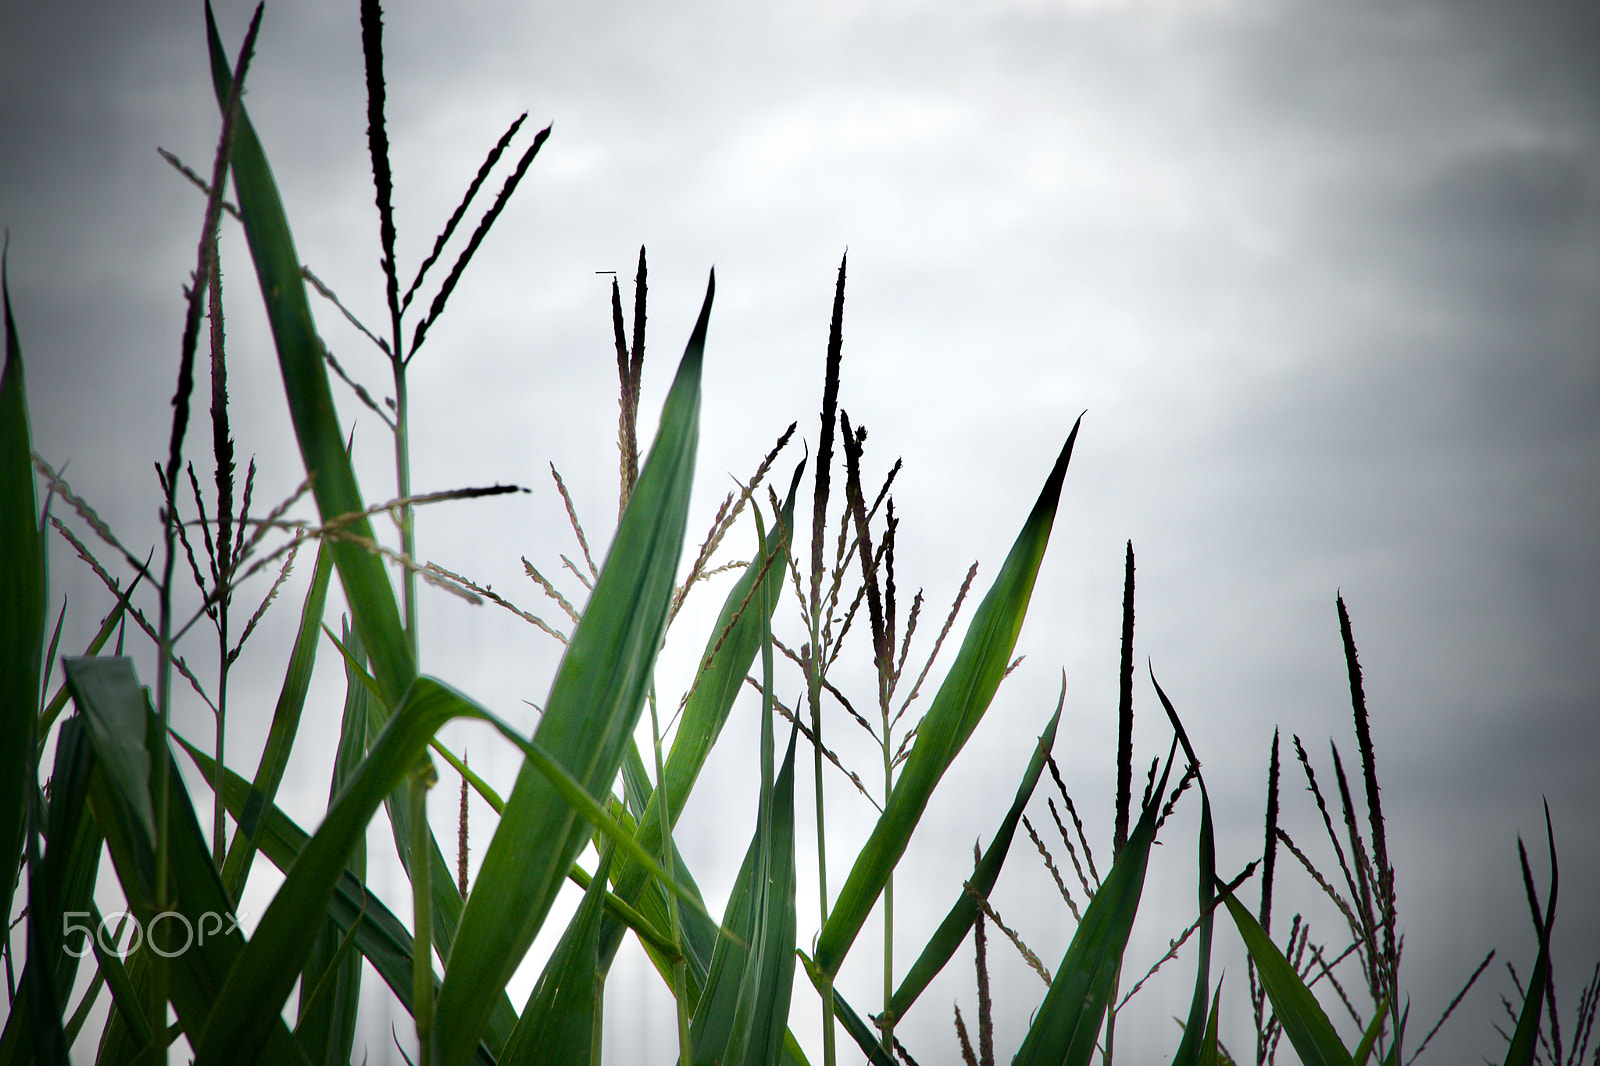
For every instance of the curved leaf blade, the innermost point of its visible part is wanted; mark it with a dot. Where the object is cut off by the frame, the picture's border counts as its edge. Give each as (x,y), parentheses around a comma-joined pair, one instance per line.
(953,930)
(305,381)
(1304,1022)
(952,716)
(588,723)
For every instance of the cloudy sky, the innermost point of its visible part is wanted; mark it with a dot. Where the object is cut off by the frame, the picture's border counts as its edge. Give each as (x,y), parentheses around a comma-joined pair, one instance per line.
(1326,279)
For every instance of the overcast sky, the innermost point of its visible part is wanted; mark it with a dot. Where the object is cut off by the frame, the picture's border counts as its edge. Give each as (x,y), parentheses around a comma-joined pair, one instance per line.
(1326,279)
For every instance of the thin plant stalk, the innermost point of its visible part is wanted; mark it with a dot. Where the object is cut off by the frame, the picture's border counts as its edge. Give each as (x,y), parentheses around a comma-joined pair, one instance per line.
(813,661)
(162,785)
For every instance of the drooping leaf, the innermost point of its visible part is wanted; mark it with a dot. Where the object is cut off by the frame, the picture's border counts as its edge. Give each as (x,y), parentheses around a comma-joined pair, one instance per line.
(380,936)
(113,704)
(259,983)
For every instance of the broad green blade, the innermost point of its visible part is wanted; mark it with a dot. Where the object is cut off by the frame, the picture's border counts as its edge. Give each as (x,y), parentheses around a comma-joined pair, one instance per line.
(305,380)
(285,725)
(741,1014)
(859,1030)
(558,1024)
(22,613)
(1310,1033)
(380,936)
(113,707)
(955,711)
(953,930)
(259,984)
(327,1023)
(589,718)
(113,704)
(1067,1024)
(738,630)
(1369,1039)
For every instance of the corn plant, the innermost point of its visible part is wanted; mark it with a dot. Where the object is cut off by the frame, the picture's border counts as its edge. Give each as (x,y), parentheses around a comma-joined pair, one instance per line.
(591,774)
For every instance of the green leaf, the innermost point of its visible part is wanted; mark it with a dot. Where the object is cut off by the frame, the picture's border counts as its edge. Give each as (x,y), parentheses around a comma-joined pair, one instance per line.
(953,930)
(259,984)
(955,711)
(1304,1023)
(380,936)
(1208,1047)
(305,379)
(114,705)
(1524,1041)
(589,717)
(722,674)
(745,1003)
(327,1023)
(285,725)
(1369,1039)
(859,1030)
(22,608)
(1196,1031)
(1068,1021)
(558,1025)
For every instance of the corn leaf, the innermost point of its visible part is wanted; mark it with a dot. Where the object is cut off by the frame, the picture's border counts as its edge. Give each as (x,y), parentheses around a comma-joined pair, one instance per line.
(114,705)
(305,378)
(258,985)
(593,706)
(22,609)
(953,930)
(738,630)
(742,1011)
(1068,1021)
(1524,1041)
(326,1026)
(1196,1031)
(858,1029)
(380,936)
(1369,1039)
(285,725)
(1304,1023)
(558,1025)
(955,711)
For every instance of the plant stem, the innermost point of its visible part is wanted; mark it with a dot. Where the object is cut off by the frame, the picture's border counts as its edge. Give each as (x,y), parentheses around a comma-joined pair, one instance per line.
(814,696)
(888,888)
(402,478)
